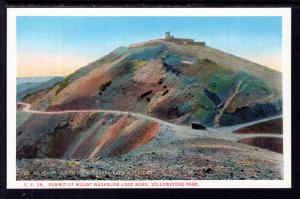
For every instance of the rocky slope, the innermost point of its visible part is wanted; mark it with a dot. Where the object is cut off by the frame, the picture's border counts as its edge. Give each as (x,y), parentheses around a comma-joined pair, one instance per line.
(174,82)
(164,158)
(177,83)
(81,135)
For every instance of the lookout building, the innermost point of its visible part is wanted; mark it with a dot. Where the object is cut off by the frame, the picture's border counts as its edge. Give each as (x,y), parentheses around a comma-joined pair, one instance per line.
(171,38)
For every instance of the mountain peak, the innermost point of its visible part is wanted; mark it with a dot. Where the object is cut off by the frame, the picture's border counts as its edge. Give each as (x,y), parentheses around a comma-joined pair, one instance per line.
(174,79)
(169,39)
(184,41)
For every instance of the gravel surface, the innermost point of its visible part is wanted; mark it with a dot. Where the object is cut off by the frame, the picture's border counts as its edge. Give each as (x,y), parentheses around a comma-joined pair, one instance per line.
(203,159)
(176,153)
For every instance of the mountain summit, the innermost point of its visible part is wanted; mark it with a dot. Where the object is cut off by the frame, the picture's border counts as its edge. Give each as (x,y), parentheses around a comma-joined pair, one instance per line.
(174,79)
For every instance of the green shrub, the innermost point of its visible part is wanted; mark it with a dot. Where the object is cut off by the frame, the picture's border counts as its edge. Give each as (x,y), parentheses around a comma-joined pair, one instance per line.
(220,83)
(251,85)
(185,108)
(202,101)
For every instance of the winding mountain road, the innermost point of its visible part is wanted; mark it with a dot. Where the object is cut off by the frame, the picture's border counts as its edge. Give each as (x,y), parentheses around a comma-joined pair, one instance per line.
(180,131)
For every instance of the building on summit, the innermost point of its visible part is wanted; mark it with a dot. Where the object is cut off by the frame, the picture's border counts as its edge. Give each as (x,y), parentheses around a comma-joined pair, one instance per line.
(171,38)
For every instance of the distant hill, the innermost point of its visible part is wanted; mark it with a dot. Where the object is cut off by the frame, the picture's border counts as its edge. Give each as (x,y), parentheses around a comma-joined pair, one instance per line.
(30,85)
(21,80)
(175,81)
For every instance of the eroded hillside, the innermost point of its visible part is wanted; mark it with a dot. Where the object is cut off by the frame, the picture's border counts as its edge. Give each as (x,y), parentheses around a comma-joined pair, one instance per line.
(81,135)
(174,82)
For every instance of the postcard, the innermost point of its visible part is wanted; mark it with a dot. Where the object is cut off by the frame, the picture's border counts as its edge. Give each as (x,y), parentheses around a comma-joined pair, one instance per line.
(148,98)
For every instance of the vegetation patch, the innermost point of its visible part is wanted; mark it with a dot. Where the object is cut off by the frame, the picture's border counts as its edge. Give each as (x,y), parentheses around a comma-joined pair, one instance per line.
(136,64)
(184,108)
(206,109)
(63,85)
(172,59)
(146,53)
(251,85)
(213,97)
(220,83)
(203,102)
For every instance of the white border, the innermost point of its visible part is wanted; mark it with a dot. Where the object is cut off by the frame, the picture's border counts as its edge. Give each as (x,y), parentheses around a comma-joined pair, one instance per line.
(12,13)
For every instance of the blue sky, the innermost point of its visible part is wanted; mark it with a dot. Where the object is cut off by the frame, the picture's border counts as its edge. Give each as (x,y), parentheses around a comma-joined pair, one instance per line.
(89,38)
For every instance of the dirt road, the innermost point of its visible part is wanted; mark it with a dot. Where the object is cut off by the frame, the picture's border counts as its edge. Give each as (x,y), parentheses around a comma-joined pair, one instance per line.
(180,131)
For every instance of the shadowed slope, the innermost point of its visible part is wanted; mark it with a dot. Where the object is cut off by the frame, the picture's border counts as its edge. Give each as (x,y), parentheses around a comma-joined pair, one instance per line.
(82,135)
